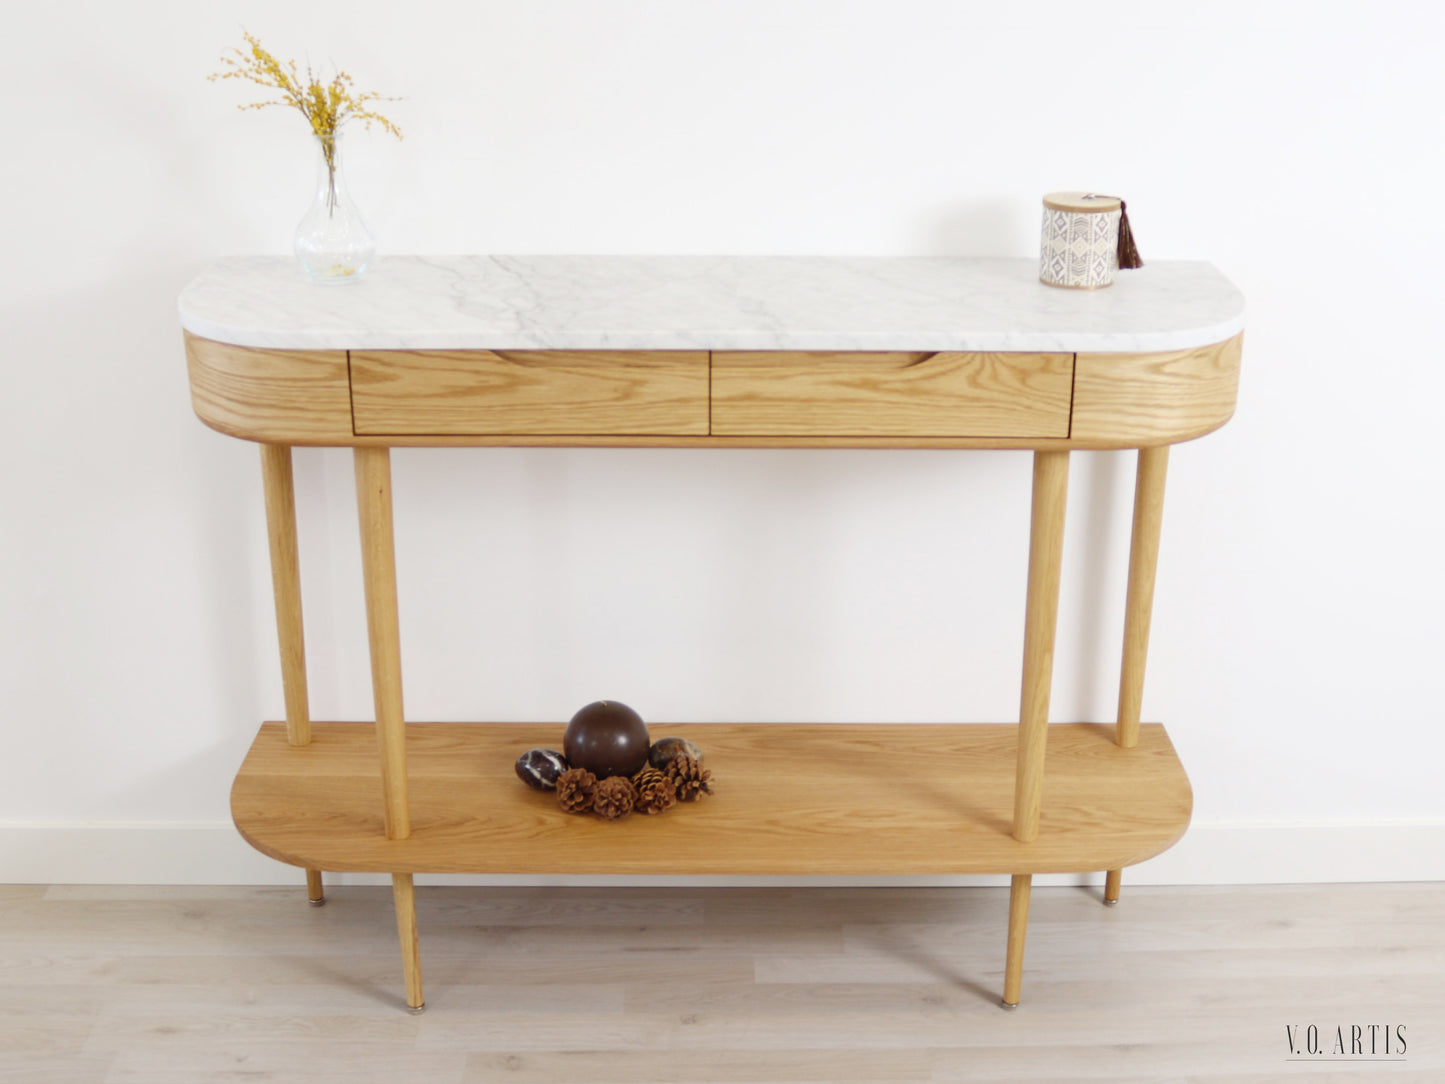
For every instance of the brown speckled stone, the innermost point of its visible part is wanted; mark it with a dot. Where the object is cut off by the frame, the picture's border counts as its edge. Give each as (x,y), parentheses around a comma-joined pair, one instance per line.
(539,768)
(664,749)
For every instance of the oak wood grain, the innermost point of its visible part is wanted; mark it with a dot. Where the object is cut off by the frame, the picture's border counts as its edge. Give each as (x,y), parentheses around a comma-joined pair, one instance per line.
(1149,480)
(891,394)
(871,400)
(1144,399)
(874,799)
(1020,889)
(403,895)
(378,566)
(1041,612)
(279,485)
(274,396)
(530,392)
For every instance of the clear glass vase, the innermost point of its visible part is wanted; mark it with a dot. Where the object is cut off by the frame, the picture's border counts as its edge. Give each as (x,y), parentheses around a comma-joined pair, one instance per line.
(332,242)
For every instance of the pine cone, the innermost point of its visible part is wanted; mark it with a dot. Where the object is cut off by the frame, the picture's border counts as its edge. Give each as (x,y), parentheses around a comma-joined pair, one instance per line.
(690,778)
(576,788)
(655,791)
(615,796)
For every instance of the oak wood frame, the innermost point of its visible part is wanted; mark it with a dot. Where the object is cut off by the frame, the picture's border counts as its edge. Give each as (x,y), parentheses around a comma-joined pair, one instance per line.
(283,398)
(1106,805)
(301,397)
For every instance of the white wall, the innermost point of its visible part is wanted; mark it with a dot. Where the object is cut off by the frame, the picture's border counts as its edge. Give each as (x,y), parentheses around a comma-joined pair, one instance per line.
(1297,634)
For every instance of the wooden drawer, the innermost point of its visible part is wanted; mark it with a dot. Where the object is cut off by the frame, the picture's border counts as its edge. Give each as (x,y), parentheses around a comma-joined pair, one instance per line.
(891,394)
(551,392)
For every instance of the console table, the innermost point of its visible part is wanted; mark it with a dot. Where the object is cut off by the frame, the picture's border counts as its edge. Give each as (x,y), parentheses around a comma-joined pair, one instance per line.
(720,352)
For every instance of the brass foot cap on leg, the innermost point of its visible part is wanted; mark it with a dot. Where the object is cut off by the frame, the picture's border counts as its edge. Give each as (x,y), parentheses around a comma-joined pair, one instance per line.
(416,1010)
(1009,1005)
(317,903)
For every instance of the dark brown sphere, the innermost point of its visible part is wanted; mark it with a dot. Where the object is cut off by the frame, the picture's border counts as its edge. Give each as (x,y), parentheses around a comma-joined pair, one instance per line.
(606,738)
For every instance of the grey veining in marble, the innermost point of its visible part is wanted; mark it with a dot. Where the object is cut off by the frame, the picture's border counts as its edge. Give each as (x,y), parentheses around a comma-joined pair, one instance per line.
(708,303)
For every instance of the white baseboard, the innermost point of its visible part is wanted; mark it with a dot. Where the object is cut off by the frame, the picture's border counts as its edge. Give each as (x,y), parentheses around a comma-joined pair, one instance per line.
(1210,853)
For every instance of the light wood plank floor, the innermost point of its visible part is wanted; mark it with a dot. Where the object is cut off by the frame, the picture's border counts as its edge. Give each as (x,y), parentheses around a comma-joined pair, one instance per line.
(683,986)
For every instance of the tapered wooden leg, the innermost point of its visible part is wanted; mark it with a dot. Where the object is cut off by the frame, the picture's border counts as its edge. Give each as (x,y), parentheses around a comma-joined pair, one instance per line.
(1139,606)
(403,893)
(279,485)
(378,559)
(1018,923)
(276,478)
(1046,548)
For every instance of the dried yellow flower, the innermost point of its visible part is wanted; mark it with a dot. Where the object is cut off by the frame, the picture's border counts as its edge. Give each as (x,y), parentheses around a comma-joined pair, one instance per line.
(326,106)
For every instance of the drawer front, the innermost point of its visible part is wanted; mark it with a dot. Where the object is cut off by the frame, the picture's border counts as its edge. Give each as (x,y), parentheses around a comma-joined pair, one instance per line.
(891,394)
(529,392)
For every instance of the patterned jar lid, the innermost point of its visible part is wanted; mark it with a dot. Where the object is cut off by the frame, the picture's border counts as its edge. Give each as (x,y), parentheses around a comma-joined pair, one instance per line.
(1082,202)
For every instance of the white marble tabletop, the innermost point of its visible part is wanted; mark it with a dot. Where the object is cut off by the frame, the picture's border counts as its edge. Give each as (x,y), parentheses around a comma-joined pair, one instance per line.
(708,303)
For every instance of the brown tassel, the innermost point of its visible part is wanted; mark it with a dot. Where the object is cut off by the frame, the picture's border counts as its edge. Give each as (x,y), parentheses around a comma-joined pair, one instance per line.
(1129,257)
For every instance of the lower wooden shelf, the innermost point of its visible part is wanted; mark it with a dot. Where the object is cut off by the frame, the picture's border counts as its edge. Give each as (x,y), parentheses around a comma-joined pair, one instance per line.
(789,799)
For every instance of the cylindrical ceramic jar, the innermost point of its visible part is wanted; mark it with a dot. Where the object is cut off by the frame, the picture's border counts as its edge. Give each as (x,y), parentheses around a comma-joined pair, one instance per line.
(1080,246)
